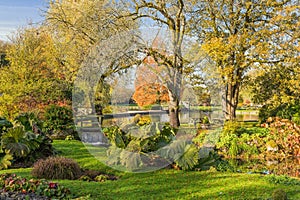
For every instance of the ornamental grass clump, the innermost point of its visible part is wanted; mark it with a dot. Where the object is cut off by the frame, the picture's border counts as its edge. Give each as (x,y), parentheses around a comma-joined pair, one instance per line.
(56,168)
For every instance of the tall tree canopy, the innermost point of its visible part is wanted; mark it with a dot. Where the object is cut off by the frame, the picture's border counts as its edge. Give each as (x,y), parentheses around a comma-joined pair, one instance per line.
(80,26)
(241,35)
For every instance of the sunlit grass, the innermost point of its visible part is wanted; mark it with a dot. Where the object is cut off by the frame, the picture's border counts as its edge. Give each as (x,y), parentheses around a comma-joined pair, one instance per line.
(163,184)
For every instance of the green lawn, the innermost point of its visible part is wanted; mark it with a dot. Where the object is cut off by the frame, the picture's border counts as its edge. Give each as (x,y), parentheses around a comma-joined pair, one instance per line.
(164,184)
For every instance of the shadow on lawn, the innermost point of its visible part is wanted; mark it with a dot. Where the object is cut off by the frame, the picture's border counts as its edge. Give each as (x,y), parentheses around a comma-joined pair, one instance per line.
(170,184)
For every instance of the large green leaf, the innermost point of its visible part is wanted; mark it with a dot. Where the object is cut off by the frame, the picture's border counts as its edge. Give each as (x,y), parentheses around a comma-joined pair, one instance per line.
(4,124)
(14,142)
(131,160)
(210,160)
(113,154)
(17,149)
(5,160)
(15,133)
(189,159)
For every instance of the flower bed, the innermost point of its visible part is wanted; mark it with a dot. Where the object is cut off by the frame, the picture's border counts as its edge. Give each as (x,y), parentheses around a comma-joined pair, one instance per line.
(16,187)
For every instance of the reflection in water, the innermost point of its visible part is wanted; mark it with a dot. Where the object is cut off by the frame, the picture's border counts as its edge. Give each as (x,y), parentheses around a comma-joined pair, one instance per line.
(247,116)
(186,117)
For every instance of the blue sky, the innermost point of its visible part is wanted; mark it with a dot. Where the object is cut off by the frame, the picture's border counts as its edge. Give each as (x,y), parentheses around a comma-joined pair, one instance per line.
(16,14)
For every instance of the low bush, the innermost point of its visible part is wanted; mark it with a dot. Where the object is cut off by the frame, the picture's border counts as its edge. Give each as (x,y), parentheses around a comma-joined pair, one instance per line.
(25,142)
(237,141)
(289,111)
(5,160)
(59,122)
(277,138)
(56,168)
(101,178)
(28,120)
(286,135)
(92,175)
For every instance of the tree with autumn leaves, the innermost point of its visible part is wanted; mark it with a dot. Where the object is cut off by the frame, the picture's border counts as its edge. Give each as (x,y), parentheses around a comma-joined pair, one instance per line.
(240,36)
(33,78)
(149,88)
(235,36)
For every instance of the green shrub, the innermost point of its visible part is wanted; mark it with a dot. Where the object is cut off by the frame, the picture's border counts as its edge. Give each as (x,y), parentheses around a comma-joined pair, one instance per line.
(234,148)
(59,121)
(15,142)
(56,168)
(279,138)
(132,140)
(224,166)
(69,137)
(26,147)
(212,160)
(28,121)
(289,111)
(184,153)
(233,127)
(245,142)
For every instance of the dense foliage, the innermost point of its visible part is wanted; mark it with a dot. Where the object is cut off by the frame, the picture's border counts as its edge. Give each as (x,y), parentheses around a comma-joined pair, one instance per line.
(290,110)
(23,143)
(236,36)
(238,141)
(34,77)
(132,140)
(144,143)
(286,136)
(278,138)
(58,122)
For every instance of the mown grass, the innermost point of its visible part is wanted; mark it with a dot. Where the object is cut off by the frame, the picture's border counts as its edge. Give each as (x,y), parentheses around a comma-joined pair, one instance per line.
(163,184)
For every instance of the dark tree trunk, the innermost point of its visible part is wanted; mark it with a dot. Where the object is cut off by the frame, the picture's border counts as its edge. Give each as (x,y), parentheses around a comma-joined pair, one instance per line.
(230,101)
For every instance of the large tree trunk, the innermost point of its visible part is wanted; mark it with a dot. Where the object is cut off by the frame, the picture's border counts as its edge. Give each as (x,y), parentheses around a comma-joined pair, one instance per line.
(230,101)
(174,110)
(174,88)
